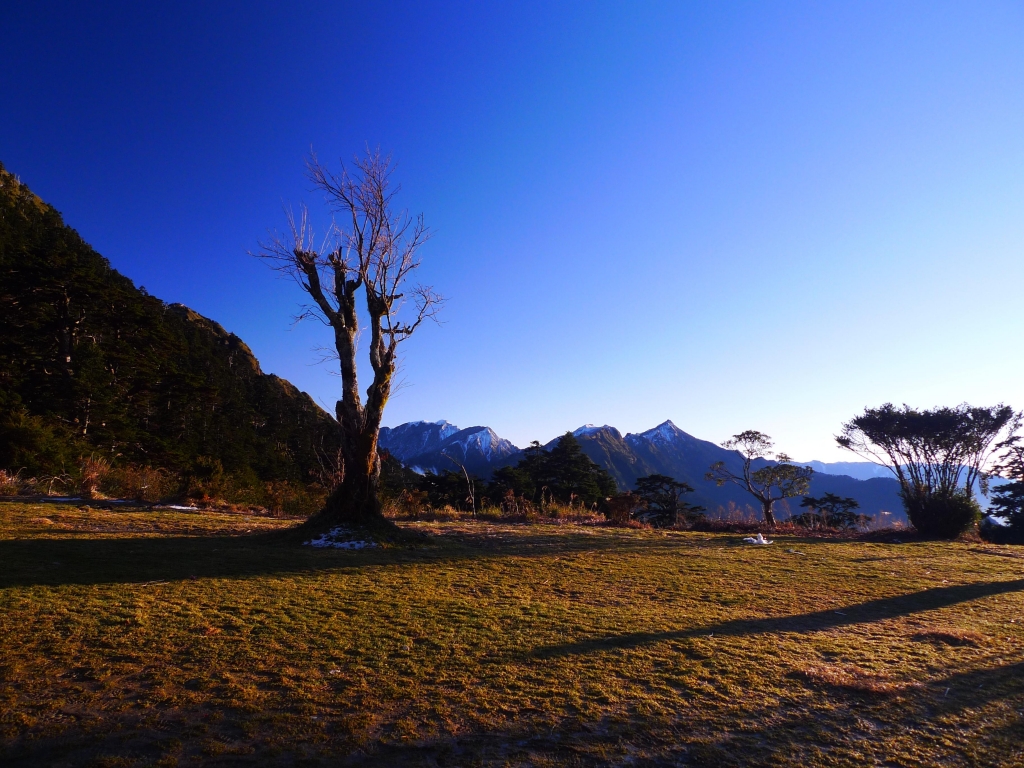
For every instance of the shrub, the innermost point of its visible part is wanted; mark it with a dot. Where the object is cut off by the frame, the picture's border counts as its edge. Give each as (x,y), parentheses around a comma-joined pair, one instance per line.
(92,471)
(944,516)
(621,508)
(10,482)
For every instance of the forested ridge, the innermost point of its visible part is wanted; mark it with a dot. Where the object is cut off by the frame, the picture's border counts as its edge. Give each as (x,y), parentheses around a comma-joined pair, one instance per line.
(90,363)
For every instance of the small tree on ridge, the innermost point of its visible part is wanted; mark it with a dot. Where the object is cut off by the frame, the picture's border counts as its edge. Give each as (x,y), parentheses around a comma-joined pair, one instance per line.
(769,484)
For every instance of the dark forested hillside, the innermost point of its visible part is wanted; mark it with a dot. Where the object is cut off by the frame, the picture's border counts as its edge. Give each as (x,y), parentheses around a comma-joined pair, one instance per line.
(90,362)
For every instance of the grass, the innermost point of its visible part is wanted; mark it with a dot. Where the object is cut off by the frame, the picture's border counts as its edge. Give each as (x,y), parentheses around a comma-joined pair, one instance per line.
(162,638)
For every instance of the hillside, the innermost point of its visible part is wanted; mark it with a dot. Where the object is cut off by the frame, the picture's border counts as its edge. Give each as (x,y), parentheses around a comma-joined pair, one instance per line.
(90,363)
(668,450)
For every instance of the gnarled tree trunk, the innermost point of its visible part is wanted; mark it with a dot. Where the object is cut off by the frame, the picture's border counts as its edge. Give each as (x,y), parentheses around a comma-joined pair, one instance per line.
(372,253)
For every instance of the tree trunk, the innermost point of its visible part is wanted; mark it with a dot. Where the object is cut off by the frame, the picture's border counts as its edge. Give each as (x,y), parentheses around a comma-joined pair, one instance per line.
(769,515)
(354,503)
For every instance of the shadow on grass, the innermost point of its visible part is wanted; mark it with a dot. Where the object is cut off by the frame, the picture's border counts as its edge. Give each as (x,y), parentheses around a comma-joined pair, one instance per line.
(854,728)
(823,724)
(925,715)
(801,734)
(137,559)
(872,610)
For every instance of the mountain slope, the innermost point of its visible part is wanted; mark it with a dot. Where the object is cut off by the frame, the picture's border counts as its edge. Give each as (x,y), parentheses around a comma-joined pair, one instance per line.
(427,446)
(85,352)
(668,450)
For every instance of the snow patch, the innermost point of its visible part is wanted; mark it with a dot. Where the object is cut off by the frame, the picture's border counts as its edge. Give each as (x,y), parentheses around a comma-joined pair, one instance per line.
(759,539)
(482,439)
(336,539)
(589,429)
(664,432)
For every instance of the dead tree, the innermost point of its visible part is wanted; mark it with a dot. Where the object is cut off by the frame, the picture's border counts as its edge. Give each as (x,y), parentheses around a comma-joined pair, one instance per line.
(372,252)
(470,487)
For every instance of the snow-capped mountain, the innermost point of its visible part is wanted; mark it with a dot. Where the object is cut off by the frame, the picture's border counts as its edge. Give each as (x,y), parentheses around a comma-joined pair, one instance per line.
(432,446)
(415,437)
(668,450)
(664,450)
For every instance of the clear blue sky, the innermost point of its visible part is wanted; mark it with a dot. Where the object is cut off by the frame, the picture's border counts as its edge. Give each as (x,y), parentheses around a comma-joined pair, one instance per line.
(736,216)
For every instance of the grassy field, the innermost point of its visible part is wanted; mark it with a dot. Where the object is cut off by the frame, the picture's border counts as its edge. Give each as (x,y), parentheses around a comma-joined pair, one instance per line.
(164,638)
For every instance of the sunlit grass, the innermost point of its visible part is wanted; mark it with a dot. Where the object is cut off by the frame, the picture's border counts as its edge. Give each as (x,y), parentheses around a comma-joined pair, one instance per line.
(142,638)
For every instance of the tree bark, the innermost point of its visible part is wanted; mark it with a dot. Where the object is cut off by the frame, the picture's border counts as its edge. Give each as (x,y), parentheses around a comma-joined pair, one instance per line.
(769,514)
(355,501)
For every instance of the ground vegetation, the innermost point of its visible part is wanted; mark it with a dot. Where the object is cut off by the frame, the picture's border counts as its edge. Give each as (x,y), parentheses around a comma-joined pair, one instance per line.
(175,638)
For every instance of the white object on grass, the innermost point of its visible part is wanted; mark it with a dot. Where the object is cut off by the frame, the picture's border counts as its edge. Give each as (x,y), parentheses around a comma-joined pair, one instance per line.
(759,539)
(333,539)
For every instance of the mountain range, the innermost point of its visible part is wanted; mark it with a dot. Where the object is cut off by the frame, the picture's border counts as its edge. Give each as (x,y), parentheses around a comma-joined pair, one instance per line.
(665,450)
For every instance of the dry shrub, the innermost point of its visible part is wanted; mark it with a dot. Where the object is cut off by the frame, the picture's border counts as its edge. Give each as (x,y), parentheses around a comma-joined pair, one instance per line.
(10,483)
(621,508)
(410,503)
(293,499)
(140,483)
(92,472)
(856,679)
(954,637)
(447,513)
(517,506)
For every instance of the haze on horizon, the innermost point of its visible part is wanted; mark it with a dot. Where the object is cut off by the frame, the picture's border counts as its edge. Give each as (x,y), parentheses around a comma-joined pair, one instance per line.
(732,216)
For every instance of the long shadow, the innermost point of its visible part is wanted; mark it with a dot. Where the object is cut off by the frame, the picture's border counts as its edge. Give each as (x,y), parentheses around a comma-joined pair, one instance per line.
(84,561)
(872,610)
(792,733)
(971,689)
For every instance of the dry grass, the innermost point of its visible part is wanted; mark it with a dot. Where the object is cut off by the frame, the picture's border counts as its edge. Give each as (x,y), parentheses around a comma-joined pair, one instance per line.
(164,638)
(854,678)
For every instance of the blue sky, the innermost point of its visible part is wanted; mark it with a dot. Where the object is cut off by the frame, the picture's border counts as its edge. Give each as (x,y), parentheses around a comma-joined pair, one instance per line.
(736,216)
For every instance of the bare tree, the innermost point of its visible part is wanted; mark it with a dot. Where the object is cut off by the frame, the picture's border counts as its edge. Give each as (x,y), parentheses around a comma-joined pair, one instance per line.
(372,252)
(470,485)
(768,484)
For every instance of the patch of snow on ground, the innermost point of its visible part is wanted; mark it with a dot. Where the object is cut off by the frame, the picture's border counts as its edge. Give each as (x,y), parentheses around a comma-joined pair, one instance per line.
(336,539)
(759,539)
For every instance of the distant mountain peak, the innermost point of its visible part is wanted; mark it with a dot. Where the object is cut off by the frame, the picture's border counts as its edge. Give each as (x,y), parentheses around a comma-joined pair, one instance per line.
(664,432)
(433,445)
(590,429)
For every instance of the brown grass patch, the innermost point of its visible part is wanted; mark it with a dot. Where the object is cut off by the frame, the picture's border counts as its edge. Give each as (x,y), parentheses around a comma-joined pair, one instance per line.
(955,637)
(852,678)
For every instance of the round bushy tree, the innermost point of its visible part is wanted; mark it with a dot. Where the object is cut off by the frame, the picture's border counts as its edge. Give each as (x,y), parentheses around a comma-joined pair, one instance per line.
(943,516)
(937,455)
